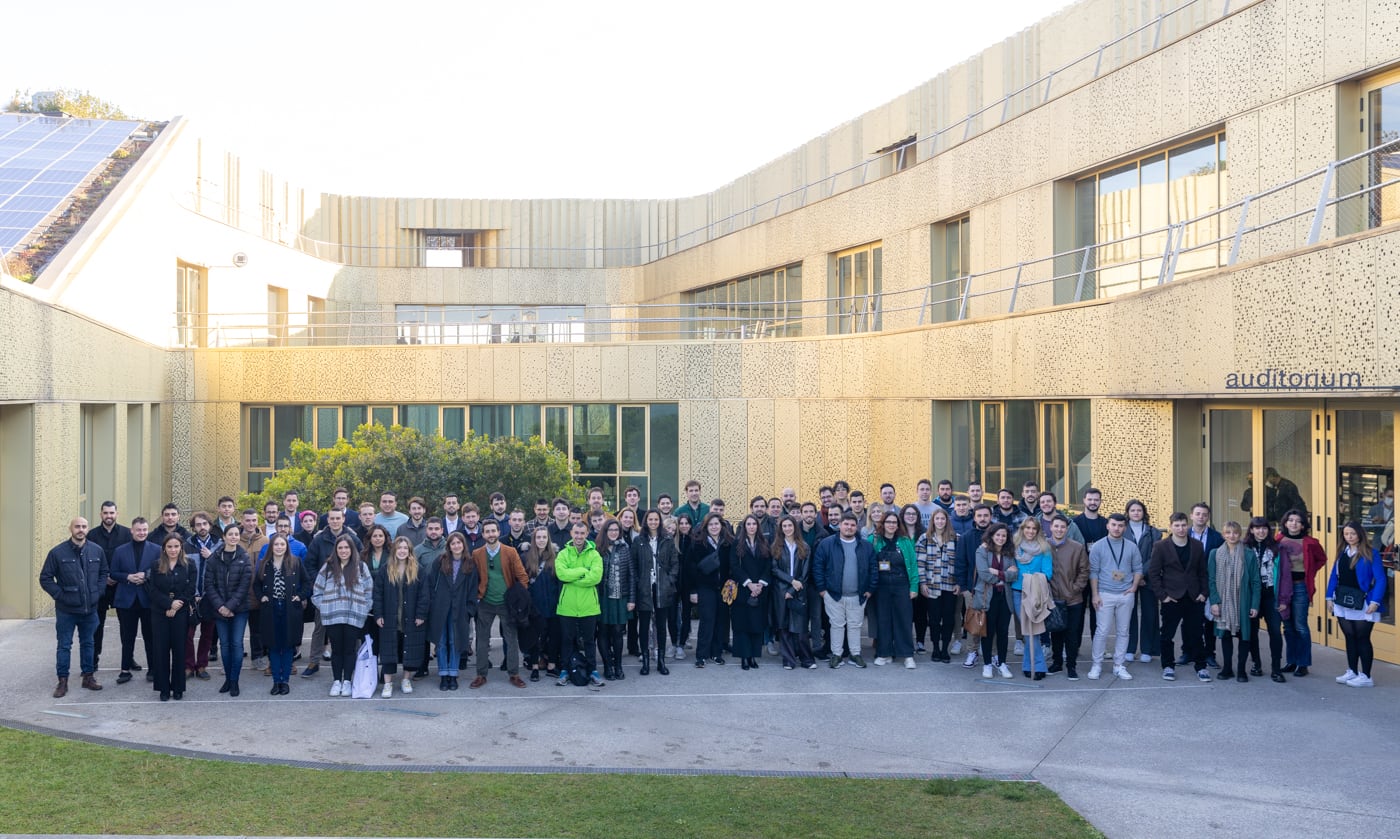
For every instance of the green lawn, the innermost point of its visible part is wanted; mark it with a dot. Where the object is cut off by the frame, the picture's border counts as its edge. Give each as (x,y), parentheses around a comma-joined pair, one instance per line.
(59,786)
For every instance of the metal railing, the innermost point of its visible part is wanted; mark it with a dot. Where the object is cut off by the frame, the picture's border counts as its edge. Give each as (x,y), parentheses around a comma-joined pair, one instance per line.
(1353,194)
(1256,226)
(1087,67)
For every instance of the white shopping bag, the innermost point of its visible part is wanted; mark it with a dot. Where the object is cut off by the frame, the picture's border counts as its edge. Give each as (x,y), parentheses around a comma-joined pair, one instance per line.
(366,671)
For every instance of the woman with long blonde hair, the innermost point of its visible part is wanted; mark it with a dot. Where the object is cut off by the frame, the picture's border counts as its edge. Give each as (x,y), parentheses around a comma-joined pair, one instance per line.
(1033,556)
(401,609)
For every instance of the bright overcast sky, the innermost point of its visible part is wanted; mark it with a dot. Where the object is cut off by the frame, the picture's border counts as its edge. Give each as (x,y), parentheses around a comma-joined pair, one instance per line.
(502,100)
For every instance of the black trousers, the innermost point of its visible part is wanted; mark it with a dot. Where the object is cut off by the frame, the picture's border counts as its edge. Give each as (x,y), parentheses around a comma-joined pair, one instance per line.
(941,613)
(1227,647)
(256,647)
(1187,615)
(167,649)
(103,604)
(708,642)
(345,643)
(1360,651)
(663,619)
(643,620)
(1064,645)
(921,618)
(129,620)
(633,624)
(998,624)
(680,627)
(577,636)
(1268,613)
(610,640)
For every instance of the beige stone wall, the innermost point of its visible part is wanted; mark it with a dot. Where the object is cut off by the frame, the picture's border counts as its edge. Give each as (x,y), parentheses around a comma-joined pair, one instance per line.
(55,362)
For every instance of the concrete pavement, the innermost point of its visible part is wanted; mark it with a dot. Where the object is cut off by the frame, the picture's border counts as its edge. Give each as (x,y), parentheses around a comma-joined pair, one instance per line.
(1137,758)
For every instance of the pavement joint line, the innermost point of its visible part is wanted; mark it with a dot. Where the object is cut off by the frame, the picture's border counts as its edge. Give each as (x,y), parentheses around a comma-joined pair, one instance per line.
(1070,729)
(510,770)
(602,695)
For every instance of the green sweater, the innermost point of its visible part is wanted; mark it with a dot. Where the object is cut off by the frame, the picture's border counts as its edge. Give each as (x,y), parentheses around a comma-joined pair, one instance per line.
(580,572)
(911,560)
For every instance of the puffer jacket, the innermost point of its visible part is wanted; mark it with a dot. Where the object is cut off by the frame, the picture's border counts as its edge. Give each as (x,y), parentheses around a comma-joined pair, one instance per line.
(618,583)
(75,577)
(228,581)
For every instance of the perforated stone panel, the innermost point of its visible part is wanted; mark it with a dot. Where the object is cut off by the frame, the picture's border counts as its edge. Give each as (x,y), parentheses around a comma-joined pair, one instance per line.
(1133,452)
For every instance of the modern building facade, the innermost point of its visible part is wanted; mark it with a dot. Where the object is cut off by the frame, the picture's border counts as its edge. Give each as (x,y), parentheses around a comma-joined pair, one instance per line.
(1145,246)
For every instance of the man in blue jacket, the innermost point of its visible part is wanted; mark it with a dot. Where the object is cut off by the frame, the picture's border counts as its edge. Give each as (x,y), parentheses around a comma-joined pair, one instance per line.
(130,564)
(75,575)
(844,571)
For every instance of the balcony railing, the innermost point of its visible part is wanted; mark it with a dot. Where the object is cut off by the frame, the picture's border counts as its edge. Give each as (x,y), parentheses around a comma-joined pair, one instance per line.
(1353,194)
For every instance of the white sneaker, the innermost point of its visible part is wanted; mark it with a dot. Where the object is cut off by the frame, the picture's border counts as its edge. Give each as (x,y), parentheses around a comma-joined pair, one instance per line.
(1346,677)
(1169,674)
(1107,656)
(1095,671)
(680,653)
(1361,681)
(956,648)
(986,671)
(406,685)
(388,691)
(1004,671)
(1122,672)
(971,659)
(335,688)
(1019,649)
(881,661)
(772,648)
(909,663)
(326,654)
(1144,658)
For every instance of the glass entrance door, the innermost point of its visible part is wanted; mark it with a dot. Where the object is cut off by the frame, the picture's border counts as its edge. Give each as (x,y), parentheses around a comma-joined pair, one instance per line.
(1361,468)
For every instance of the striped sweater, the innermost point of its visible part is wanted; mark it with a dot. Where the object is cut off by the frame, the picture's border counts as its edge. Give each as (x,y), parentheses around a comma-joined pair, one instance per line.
(339,605)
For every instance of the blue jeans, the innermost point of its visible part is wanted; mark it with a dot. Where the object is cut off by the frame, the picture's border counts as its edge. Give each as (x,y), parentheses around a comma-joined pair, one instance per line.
(279,654)
(447,650)
(64,624)
(1034,660)
(231,643)
(1295,629)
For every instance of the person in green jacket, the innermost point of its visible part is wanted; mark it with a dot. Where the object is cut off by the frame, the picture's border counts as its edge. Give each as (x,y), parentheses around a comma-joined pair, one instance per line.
(579,568)
(897,584)
(1234,597)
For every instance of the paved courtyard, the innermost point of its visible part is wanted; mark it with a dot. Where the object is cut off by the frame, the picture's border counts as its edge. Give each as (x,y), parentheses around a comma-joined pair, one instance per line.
(1138,758)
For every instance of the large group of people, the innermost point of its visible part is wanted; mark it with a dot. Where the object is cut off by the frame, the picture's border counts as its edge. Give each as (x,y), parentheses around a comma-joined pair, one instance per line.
(573,591)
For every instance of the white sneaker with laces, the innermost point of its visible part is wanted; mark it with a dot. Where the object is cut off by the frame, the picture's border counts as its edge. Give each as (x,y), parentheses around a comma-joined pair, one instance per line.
(1095,671)
(1004,671)
(335,688)
(388,691)
(881,661)
(1346,677)
(909,663)
(956,648)
(406,685)
(986,671)
(1019,649)
(680,653)
(1144,658)
(971,659)
(1361,681)
(326,654)
(1122,673)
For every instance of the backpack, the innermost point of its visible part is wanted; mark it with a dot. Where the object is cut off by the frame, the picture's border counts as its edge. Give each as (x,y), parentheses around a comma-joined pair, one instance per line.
(578,670)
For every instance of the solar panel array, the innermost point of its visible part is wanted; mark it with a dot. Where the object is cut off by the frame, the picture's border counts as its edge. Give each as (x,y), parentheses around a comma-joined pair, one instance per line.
(43,160)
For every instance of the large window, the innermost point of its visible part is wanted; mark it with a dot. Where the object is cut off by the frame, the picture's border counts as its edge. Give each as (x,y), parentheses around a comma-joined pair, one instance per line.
(854,289)
(952,264)
(1383,126)
(1006,443)
(616,446)
(422,324)
(191,304)
(1120,214)
(459,248)
(763,305)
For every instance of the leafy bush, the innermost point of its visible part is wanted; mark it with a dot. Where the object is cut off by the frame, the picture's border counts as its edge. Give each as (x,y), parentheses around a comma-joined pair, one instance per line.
(409,463)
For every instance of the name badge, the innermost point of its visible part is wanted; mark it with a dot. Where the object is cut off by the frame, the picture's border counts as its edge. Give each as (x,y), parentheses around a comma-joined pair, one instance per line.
(1118,575)
(884,565)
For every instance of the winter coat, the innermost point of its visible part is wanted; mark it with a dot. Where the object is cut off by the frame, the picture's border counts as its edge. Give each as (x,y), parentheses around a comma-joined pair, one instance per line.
(227,582)
(456,597)
(399,606)
(298,586)
(664,565)
(579,570)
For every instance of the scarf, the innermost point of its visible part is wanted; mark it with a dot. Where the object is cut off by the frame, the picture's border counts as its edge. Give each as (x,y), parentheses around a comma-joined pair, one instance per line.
(1229,569)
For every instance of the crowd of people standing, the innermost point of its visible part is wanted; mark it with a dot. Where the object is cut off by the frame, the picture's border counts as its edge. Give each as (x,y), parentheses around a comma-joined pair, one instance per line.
(572,591)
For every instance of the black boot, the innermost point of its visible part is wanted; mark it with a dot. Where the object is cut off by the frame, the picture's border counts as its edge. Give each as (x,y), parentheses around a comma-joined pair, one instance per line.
(646,662)
(661,663)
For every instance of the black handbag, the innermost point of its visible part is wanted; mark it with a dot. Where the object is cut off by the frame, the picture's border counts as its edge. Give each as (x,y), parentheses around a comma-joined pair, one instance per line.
(1349,597)
(710,564)
(1057,620)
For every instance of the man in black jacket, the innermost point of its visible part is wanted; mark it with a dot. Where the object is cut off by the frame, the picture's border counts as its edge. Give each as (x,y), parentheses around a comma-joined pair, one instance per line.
(1178,578)
(108,535)
(75,576)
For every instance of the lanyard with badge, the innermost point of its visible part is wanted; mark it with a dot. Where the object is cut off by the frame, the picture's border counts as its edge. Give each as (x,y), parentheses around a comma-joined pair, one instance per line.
(1118,575)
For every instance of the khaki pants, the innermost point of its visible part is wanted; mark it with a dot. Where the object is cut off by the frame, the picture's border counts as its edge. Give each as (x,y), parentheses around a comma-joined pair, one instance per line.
(486,614)
(967,604)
